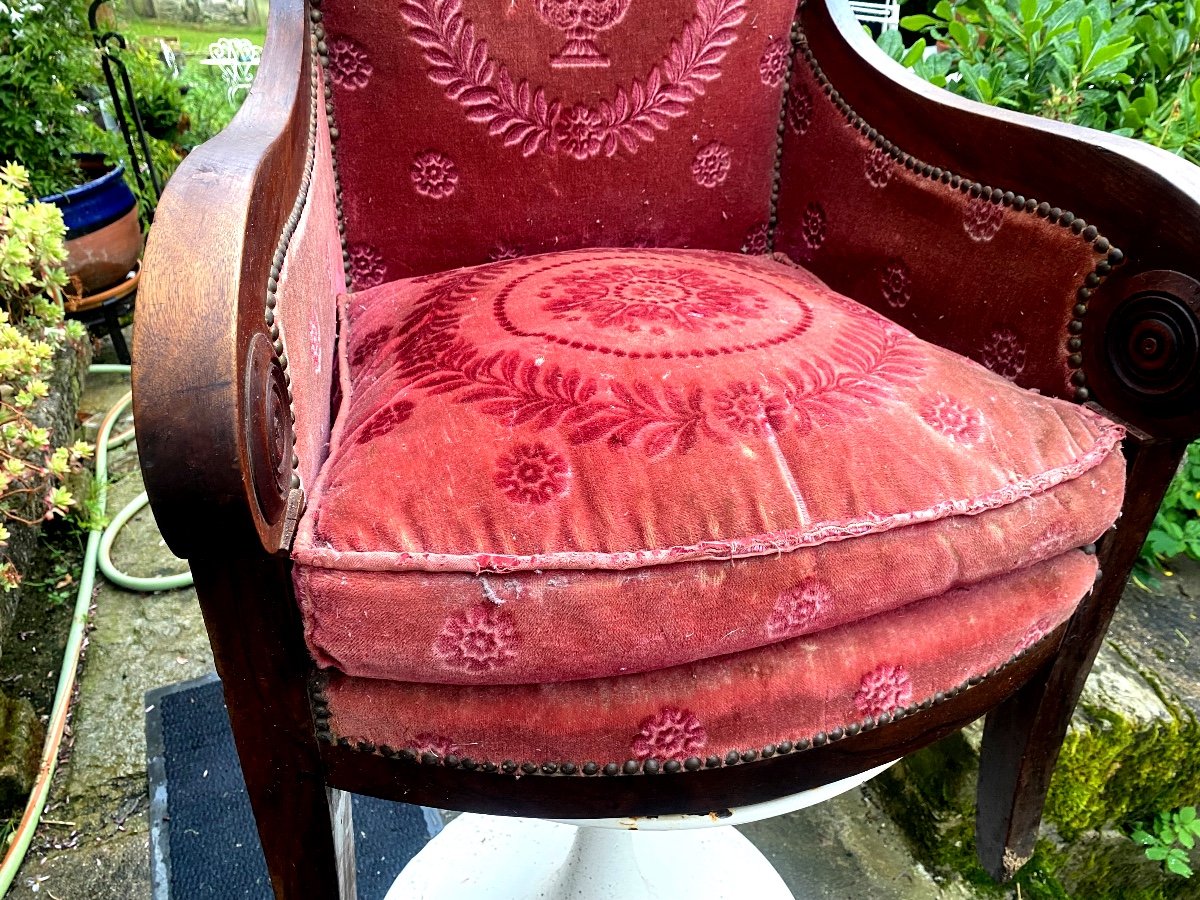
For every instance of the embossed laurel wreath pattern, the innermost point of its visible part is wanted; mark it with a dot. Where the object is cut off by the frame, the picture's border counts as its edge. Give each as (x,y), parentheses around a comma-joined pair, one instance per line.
(522,116)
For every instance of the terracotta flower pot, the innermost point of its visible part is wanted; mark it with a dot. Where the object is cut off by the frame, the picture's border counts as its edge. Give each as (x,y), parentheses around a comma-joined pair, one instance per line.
(104,237)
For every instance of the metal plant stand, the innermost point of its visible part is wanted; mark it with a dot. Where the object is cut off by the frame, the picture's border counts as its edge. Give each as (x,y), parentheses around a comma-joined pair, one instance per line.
(125,110)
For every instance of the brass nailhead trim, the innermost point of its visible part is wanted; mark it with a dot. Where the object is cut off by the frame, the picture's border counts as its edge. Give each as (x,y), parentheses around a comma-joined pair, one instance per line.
(780,135)
(1016,202)
(322,52)
(274,326)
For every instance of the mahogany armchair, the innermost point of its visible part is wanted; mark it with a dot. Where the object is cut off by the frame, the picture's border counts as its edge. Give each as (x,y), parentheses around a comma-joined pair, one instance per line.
(599,525)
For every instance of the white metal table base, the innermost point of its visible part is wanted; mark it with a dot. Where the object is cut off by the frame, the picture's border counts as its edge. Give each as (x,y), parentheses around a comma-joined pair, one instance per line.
(651,858)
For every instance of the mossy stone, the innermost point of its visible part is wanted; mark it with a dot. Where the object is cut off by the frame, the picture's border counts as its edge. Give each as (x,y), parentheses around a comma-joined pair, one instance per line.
(1132,750)
(21,737)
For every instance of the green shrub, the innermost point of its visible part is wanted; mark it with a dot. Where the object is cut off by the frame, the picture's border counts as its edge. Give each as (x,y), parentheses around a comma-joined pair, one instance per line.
(158,93)
(51,84)
(46,55)
(159,98)
(1168,829)
(32,280)
(1176,528)
(206,105)
(178,112)
(1125,67)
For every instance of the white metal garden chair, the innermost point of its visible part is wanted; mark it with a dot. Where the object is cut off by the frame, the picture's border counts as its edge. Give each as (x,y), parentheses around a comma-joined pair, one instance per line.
(236,59)
(884,13)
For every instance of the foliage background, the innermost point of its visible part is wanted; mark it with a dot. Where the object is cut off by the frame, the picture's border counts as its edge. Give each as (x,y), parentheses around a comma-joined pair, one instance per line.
(45,53)
(1126,67)
(53,100)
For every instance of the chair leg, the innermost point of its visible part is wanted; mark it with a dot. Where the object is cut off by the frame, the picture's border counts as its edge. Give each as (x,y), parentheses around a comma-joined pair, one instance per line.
(254,627)
(1022,736)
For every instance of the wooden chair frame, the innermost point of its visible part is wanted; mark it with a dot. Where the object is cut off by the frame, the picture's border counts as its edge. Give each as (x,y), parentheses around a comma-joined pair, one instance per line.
(216,450)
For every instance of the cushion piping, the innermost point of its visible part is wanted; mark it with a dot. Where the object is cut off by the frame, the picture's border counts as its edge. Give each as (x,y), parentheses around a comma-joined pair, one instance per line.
(766,544)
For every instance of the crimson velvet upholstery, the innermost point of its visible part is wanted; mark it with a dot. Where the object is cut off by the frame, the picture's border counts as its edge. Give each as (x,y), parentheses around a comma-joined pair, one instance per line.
(309,276)
(701,489)
(519,128)
(931,249)
(625,387)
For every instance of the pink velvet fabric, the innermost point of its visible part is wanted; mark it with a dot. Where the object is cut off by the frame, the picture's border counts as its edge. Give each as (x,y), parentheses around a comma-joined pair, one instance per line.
(472,130)
(788,691)
(985,280)
(692,453)
(312,275)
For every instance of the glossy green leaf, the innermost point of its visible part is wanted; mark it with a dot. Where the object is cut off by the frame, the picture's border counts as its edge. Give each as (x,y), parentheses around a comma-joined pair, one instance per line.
(918,22)
(1179,867)
(915,53)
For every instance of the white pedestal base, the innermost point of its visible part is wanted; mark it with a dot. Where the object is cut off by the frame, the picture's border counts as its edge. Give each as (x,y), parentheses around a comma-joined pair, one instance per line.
(647,858)
(477,857)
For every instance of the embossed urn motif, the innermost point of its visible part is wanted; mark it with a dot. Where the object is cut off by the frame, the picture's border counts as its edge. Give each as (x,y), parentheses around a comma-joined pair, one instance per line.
(581,20)
(523,115)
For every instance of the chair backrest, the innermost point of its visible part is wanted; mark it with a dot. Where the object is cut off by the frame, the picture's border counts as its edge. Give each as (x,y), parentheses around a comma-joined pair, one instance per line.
(469,130)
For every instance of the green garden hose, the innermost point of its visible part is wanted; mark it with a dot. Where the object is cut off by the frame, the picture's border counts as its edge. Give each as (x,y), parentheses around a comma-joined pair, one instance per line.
(131,509)
(96,555)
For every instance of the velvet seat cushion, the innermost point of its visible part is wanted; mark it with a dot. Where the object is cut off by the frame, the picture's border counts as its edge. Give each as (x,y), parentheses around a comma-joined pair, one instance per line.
(789,695)
(606,462)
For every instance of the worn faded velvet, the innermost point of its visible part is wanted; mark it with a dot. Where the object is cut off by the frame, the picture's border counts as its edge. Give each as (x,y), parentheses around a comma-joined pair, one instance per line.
(691,453)
(788,691)
(972,274)
(311,276)
(472,130)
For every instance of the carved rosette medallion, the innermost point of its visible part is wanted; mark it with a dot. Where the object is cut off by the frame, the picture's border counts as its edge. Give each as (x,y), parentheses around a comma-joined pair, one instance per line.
(267,424)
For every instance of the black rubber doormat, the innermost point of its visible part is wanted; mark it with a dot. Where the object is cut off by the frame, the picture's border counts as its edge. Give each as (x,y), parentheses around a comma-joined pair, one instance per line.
(203,842)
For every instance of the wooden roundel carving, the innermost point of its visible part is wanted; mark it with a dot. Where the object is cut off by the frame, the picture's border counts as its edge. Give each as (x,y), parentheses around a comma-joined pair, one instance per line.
(267,425)
(1153,340)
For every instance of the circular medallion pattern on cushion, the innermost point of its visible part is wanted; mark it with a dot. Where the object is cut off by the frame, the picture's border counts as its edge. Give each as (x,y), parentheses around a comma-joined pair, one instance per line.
(660,308)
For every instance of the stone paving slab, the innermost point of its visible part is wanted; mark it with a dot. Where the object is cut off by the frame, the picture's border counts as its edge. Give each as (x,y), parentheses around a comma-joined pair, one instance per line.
(115,869)
(847,848)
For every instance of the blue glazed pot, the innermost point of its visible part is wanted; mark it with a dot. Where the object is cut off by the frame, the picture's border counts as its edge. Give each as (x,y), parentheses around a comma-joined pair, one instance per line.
(95,204)
(104,237)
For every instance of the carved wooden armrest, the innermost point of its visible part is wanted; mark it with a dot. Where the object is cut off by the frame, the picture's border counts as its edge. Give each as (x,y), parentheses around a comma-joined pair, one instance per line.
(212,396)
(1062,257)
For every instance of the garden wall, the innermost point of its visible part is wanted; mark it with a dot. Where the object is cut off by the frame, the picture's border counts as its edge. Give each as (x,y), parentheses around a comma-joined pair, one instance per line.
(227,12)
